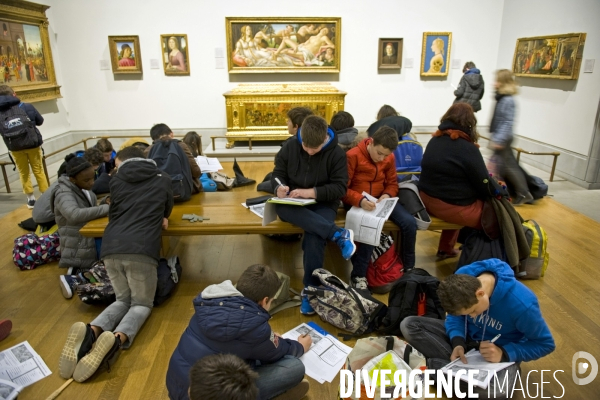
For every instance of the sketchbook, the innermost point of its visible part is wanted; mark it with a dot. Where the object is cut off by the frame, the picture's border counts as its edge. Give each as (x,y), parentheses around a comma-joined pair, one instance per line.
(208,164)
(477,362)
(269,214)
(326,355)
(367,225)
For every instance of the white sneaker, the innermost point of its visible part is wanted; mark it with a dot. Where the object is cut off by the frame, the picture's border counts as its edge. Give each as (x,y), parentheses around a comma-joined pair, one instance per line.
(360,283)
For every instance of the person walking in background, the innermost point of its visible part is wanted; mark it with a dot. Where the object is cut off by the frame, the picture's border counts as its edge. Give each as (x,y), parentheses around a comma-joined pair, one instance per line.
(471,87)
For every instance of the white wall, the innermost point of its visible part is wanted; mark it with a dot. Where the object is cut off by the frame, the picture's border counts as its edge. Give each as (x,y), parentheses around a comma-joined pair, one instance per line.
(559,113)
(99,100)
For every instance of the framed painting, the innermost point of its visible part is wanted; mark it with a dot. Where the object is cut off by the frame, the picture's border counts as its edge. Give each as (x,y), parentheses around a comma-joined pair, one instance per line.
(25,55)
(283,44)
(390,54)
(125,54)
(555,57)
(174,48)
(435,56)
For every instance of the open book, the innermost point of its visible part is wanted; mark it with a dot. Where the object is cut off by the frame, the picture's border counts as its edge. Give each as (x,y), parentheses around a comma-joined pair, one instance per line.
(486,369)
(208,164)
(367,225)
(294,201)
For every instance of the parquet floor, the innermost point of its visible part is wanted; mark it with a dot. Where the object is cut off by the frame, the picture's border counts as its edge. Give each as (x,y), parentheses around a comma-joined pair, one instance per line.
(569,296)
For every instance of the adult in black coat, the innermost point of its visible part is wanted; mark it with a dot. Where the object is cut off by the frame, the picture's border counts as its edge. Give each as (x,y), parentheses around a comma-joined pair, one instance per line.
(471,87)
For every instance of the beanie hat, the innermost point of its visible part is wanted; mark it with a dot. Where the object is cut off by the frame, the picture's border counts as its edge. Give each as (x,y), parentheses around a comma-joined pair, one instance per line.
(75,165)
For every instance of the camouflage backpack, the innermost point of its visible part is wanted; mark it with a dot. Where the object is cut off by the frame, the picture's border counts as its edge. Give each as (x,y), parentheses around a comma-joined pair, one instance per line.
(355,311)
(94,285)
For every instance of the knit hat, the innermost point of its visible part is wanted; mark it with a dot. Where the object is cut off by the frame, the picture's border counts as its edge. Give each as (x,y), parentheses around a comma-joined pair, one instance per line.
(75,165)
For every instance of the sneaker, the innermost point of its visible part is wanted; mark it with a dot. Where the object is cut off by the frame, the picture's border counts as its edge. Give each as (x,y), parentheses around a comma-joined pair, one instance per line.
(5,328)
(30,204)
(68,285)
(305,307)
(79,342)
(105,353)
(74,271)
(522,199)
(360,283)
(295,393)
(442,255)
(345,240)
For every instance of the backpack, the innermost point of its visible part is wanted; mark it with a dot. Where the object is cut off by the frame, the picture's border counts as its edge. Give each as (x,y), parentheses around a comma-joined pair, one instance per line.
(208,185)
(477,246)
(410,199)
(343,306)
(282,299)
(534,266)
(415,294)
(385,268)
(170,158)
(17,130)
(223,181)
(408,155)
(169,274)
(94,286)
(31,250)
(537,187)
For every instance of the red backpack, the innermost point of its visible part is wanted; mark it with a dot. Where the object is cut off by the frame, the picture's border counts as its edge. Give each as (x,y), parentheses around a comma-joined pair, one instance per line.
(385,268)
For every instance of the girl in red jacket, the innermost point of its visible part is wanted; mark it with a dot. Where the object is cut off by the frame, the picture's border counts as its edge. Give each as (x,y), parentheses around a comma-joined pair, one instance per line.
(372,169)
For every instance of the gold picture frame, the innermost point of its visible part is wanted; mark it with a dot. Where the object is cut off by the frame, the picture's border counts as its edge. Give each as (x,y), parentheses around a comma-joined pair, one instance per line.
(175,54)
(25,52)
(435,55)
(283,44)
(390,53)
(549,57)
(125,54)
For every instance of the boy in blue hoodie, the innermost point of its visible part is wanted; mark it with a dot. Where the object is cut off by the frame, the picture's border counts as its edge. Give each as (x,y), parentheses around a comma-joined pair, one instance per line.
(483,300)
(235,320)
(313,166)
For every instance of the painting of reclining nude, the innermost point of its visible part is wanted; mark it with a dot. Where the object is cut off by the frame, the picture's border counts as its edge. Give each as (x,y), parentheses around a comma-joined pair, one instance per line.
(557,56)
(256,45)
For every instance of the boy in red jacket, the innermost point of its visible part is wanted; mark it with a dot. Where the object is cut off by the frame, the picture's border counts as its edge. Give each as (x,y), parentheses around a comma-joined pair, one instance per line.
(372,169)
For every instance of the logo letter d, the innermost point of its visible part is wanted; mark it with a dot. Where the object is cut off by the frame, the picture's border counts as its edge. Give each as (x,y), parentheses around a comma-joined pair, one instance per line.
(593,363)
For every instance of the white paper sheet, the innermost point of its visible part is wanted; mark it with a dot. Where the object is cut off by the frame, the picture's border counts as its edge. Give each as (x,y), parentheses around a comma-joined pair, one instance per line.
(258,209)
(9,390)
(20,364)
(208,164)
(326,355)
(367,225)
(476,361)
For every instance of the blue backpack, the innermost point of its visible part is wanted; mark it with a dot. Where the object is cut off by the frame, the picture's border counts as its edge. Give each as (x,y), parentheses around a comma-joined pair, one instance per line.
(408,154)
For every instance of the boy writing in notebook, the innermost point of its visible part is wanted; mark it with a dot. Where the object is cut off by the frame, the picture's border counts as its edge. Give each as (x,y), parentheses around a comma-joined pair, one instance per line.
(311,165)
(483,301)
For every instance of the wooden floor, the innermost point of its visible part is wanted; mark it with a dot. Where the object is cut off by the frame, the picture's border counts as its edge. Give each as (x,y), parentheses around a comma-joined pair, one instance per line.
(569,296)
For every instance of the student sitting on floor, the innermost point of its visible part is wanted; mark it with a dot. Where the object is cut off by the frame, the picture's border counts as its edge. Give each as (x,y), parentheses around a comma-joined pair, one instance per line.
(313,166)
(222,376)
(372,169)
(74,205)
(343,125)
(483,300)
(235,320)
(141,201)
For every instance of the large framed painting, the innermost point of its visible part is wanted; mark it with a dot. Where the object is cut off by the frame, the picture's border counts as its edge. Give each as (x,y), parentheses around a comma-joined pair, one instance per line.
(25,55)
(435,57)
(283,44)
(556,56)
(174,48)
(125,54)
(390,54)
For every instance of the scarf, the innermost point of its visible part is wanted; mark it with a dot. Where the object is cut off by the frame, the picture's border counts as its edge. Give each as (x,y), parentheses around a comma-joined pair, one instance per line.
(455,131)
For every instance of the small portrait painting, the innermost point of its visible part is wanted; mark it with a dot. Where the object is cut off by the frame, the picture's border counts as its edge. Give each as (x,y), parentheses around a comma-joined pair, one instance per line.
(125,54)
(390,54)
(175,54)
(435,57)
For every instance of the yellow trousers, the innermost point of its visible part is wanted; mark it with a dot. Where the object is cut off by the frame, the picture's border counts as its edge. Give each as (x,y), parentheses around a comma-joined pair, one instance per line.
(25,158)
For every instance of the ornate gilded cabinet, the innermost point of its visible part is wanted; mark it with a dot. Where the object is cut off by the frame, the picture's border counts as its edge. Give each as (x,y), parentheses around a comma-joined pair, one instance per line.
(258,111)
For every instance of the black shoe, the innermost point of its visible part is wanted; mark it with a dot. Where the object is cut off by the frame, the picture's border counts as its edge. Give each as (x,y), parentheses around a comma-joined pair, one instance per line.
(522,199)
(30,204)
(79,342)
(104,354)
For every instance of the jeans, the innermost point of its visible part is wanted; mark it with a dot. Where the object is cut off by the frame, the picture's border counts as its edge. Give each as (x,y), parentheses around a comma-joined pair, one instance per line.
(278,377)
(317,220)
(408,238)
(428,336)
(135,286)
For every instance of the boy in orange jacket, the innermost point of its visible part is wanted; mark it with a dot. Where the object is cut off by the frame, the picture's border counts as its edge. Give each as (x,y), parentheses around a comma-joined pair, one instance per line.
(372,169)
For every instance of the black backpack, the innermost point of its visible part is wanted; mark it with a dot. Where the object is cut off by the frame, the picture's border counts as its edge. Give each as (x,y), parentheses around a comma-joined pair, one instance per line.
(170,158)
(17,130)
(477,246)
(414,294)
(169,275)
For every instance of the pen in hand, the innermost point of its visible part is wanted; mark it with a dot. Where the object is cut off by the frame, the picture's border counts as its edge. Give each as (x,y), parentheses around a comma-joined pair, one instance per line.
(280,184)
(496,338)
(307,332)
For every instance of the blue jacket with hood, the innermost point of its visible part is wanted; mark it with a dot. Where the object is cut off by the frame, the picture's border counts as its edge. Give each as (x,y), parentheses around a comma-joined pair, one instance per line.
(514,312)
(225,321)
(325,171)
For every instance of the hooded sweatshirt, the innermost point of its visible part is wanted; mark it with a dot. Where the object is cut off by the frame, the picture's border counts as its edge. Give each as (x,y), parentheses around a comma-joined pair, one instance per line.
(470,89)
(140,197)
(514,313)
(225,321)
(325,171)
(401,125)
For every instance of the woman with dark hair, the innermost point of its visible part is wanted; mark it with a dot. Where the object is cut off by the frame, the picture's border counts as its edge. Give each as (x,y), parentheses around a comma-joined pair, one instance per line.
(454,178)
(388,116)
(194,142)
(471,87)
